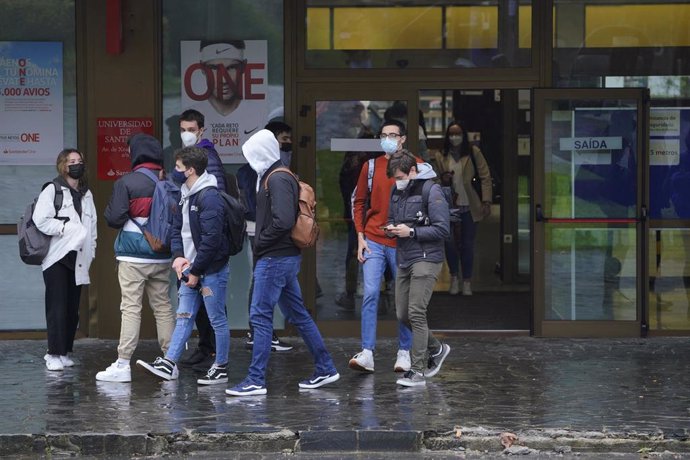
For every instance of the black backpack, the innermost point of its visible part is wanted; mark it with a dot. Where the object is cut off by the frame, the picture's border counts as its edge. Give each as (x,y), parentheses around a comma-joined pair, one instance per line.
(34,244)
(235,225)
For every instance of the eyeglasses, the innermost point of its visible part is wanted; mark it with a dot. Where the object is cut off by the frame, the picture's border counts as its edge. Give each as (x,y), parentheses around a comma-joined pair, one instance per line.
(393,136)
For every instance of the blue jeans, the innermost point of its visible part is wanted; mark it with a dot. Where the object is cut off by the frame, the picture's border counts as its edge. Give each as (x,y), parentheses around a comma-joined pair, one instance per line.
(373,269)
(462,244)
(213,286)
(275,281)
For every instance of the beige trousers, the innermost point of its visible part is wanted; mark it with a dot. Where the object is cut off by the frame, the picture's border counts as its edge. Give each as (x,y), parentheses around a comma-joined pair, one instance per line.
(134,280)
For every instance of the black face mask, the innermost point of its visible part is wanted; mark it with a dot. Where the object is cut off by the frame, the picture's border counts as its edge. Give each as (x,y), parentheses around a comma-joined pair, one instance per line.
(76,171)
(286,147)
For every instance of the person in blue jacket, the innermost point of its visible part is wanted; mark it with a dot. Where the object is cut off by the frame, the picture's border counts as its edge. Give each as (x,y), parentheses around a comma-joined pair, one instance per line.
(200,259)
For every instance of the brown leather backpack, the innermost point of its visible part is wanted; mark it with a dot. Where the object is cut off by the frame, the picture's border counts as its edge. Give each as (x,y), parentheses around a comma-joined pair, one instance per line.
(306,230)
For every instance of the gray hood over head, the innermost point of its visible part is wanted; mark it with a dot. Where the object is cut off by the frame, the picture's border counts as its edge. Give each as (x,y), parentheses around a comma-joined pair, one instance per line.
(261,151)
(425,171)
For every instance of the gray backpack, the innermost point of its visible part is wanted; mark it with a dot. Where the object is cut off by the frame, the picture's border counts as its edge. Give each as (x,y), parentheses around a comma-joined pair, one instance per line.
(33,244)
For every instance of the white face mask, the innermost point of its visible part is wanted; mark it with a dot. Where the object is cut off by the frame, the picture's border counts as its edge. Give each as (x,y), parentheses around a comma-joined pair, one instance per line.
(402,184)
(455,140)
(188,138)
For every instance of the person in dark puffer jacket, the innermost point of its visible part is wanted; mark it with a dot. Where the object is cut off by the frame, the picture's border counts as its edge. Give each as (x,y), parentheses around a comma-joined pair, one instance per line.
(139,267)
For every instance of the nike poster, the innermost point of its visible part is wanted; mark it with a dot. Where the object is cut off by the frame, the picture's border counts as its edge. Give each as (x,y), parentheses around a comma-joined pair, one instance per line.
(226,80)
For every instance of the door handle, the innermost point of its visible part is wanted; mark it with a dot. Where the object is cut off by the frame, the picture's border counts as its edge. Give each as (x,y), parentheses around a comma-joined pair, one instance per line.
(643,213)
(538,213)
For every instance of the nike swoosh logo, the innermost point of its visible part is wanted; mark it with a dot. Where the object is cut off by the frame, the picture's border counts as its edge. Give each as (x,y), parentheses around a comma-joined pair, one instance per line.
(222,51)
(251,130)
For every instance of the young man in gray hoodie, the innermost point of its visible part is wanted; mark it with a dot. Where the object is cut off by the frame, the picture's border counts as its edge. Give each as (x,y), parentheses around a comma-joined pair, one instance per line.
(418,217)
(278,262)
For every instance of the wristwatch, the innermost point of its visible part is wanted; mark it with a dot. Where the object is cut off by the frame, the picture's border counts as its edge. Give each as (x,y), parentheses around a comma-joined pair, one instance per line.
(412,233)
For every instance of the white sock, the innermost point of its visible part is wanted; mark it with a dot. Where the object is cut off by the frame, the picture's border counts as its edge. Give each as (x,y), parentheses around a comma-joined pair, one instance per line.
(122,362)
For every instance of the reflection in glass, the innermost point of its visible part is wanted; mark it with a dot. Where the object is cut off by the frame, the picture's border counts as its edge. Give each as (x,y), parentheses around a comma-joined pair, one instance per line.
(669,279)
(590,273)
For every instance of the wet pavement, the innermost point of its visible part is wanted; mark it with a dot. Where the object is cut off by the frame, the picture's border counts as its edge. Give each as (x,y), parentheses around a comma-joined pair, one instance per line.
(588,394)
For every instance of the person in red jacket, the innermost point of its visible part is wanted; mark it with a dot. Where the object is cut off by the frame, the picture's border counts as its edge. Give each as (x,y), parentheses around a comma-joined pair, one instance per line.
(375,250)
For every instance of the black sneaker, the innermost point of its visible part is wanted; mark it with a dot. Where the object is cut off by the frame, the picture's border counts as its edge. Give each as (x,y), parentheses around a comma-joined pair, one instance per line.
(436,360)
(279,345)
(249,344)
(195,358)
(345,301)
(162,367)
(216,374)
(204,364)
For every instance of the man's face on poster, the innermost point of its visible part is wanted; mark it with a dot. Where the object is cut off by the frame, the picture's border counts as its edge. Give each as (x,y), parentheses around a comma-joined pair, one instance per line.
(228,71)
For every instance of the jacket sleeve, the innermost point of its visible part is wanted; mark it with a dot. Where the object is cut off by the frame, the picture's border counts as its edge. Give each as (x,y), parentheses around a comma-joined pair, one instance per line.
(211,223)
(117,211)
(44,213)
(361,196)
(94,220)
(284,191)
(215,167)
(439,228)
(176,235)
(484,174)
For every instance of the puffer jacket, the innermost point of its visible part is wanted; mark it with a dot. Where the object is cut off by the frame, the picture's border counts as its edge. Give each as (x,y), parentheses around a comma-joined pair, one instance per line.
(431,222)
(131,199)
(215,165)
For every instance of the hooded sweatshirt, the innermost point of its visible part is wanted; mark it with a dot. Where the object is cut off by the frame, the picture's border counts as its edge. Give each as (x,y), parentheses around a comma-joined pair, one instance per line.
(276,205)
(131,199)
(205,180)
(430,221)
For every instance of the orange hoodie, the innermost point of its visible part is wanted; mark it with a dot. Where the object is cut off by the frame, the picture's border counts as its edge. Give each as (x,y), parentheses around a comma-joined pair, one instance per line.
(377,214)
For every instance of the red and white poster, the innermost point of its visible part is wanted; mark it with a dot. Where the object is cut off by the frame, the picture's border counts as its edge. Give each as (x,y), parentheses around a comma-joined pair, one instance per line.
(227,81)
(31,132)
(113,154)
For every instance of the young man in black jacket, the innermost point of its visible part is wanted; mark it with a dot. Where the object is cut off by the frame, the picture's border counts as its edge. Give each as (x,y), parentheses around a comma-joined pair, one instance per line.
(277,265)
(420,222)
(200,259)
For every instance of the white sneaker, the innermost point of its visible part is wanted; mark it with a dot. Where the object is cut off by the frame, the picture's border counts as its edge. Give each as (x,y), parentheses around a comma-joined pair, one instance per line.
(402,363)
(454,286)
(466,288)
(115,373)
(66,361)
(53,363)
(362,361)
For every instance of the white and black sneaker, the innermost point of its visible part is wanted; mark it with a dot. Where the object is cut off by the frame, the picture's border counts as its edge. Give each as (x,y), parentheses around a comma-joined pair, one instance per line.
(279,345)
(162,367)
(216,374)
(436,360)
(318,380)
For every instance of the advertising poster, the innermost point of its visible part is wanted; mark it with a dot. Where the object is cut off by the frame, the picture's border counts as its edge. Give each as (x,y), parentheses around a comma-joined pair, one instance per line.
(31,75)
(227,81)
(112,134)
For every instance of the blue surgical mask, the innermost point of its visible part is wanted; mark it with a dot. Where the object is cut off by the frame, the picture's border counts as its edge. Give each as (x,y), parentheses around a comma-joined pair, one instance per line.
(402,184)
(389,145)
(178,176)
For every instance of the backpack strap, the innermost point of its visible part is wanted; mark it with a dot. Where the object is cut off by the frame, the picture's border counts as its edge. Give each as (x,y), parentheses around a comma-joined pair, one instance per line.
(426,190)
(59,195)
(279,169)
(370,173)
(148,173)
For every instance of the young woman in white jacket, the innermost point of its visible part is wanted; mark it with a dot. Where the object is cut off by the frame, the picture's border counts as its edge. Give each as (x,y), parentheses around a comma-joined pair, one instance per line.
(72,248)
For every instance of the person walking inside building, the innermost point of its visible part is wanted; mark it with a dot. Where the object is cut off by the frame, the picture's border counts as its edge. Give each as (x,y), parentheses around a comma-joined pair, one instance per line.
(278,262)
(458,164)
(200,260)
(140,269)
(419,220)
(192,129)
(375,250)
(72,229)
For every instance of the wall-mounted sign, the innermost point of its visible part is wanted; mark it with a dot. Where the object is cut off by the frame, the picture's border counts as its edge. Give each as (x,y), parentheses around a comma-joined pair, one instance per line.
(112,135)
(590,143)
(31,132)
(227,81)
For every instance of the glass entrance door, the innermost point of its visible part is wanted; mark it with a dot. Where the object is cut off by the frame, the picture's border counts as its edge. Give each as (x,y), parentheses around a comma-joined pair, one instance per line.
(589,212)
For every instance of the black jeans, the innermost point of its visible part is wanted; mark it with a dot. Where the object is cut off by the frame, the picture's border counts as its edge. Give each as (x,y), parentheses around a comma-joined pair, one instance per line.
(62,308)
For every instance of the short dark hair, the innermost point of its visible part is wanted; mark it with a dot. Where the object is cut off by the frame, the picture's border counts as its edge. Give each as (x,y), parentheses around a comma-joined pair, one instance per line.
(393,122)
(403,161)
(193,115)
(278,127)
(193,157)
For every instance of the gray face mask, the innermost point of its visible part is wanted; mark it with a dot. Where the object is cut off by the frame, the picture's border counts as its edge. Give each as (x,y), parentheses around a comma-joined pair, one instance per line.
(455,140)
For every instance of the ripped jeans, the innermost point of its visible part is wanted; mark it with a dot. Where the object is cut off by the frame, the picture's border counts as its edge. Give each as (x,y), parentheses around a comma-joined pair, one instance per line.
(213,287)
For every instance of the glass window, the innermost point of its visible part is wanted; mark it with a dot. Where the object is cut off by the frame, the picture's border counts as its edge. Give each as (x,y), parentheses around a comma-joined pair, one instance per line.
(418,34)
(669,282)
(23,308)
(216,21)
(45,21)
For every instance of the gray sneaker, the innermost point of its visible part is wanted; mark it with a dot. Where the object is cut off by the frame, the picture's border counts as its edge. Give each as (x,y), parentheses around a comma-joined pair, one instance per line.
(412,379)
(436,360)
